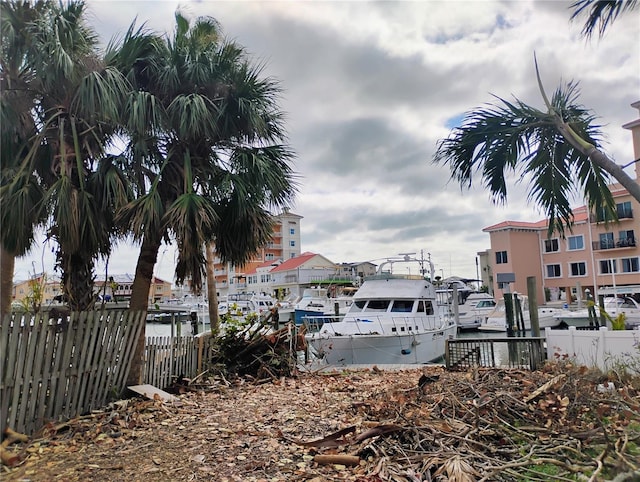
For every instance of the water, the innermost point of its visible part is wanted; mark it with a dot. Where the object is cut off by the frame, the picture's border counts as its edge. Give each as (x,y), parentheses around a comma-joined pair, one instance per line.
(164,329)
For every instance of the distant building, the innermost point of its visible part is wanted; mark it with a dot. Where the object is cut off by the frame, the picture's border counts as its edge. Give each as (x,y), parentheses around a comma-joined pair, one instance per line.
(50,286)
(308,269)
(118,287)
(601,256)
(285,244)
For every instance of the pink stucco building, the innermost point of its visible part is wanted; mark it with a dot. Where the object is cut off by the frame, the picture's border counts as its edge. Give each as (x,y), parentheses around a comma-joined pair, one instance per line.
(601,257)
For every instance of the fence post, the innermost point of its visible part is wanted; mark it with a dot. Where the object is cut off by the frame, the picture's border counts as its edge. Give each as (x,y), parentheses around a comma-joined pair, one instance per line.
(533,306)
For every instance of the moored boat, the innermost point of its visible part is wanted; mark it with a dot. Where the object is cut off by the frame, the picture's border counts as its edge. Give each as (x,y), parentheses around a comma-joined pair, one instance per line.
(497,321)
(394,319)
(315,302)
(474,310)
(613,306)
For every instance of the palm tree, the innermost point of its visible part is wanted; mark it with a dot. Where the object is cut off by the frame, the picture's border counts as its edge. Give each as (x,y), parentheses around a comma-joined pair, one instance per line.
(552,148)
(600,13)
(59,164)
(17,126)
(209,139)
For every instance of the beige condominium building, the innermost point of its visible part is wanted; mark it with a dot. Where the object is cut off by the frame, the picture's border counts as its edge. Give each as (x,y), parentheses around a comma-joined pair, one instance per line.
(285,244)
(602,257)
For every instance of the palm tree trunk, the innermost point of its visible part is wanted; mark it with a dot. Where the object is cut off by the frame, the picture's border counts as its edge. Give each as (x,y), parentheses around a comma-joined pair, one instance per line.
(140,301)
(7,264)
(212,294)
(77,280)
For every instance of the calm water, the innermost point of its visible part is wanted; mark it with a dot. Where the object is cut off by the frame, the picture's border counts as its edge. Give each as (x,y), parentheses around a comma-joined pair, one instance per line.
(165,329)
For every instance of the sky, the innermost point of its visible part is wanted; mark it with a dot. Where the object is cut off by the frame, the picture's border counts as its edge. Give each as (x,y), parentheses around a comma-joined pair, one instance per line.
(369,88)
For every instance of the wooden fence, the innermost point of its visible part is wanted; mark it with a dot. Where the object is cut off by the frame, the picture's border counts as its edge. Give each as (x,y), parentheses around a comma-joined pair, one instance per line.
(53,370)
(168,358)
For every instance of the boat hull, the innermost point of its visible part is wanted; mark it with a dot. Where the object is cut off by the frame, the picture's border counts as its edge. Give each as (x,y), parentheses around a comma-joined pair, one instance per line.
(381,349)
(546,319)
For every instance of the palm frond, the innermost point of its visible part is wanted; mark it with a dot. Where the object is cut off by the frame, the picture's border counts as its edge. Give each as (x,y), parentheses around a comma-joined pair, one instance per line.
(513,138)
(600,13)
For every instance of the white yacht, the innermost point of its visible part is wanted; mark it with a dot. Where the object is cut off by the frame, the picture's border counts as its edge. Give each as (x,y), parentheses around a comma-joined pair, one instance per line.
(497,321)
(394,319)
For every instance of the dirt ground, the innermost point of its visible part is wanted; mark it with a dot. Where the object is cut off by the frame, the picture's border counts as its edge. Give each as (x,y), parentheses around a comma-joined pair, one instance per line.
(560,423)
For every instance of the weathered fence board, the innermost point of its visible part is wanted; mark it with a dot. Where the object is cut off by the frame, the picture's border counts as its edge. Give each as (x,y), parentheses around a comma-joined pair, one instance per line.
(58,369)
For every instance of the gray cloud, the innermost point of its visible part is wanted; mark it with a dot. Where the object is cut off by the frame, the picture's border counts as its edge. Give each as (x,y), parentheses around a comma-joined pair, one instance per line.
(369,89)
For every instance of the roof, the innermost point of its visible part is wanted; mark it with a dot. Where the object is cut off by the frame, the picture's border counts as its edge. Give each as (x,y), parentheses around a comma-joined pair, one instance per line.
(264,264)
(293,263)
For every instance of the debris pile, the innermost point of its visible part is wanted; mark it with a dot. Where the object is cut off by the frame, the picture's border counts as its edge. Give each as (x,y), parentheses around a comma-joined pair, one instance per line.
(253,349)
(563,422)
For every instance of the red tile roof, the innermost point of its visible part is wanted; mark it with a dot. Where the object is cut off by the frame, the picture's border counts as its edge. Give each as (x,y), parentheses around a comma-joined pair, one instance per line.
(293,263)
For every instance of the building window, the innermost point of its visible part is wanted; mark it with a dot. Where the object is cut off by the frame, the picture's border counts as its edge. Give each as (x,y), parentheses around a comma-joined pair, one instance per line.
(624,210)
(607,241)
(553,271)
(501,257)
(630,265)
(292,243)
(608,266)
(578,269)
(575,242)
(551,245)
(292,231)
(293,255)
(269,256)
(626,238)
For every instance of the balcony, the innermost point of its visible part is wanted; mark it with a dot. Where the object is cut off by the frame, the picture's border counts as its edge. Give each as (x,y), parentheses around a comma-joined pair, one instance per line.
(623,215)
(613,244)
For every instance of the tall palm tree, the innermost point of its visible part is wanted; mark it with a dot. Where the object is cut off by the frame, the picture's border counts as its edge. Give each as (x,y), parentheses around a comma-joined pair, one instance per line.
(600,13)
(75,104)
(16,126)
(552,148)
(205,128)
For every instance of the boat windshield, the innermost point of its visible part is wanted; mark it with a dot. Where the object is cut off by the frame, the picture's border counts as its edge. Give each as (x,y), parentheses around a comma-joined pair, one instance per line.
(378,305)
(486,304)
(403,306)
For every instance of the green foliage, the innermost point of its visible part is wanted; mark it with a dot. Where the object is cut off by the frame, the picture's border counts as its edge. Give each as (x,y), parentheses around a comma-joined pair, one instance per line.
(514,137)
(617,323)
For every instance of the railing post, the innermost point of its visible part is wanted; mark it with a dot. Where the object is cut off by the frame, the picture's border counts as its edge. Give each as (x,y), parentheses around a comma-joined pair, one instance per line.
(533,305)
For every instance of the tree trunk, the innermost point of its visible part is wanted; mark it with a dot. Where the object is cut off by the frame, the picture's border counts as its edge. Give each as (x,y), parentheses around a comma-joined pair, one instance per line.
(77,280)
(140,301)
(212,294)
(7,264)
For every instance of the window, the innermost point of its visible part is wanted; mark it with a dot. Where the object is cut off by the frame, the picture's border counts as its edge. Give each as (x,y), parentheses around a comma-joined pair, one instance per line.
(608,266)
(268,257)
(378,305)
(553,271)
(425,307)
(626,238)
(292,231)
(578,269)
(403,306)
(551,245)
(292,243)
(575,242)
(501,257)
(607,241)
(624,210)
(630,265)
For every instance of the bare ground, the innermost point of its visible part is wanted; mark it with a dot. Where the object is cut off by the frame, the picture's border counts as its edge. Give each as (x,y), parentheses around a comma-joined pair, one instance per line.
(412,425)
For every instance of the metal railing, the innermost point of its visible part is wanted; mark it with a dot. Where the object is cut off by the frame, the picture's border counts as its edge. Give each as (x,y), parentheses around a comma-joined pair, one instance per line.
(511,352)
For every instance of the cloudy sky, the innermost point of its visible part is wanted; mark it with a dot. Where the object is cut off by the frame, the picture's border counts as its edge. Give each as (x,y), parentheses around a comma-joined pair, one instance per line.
(370,88)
